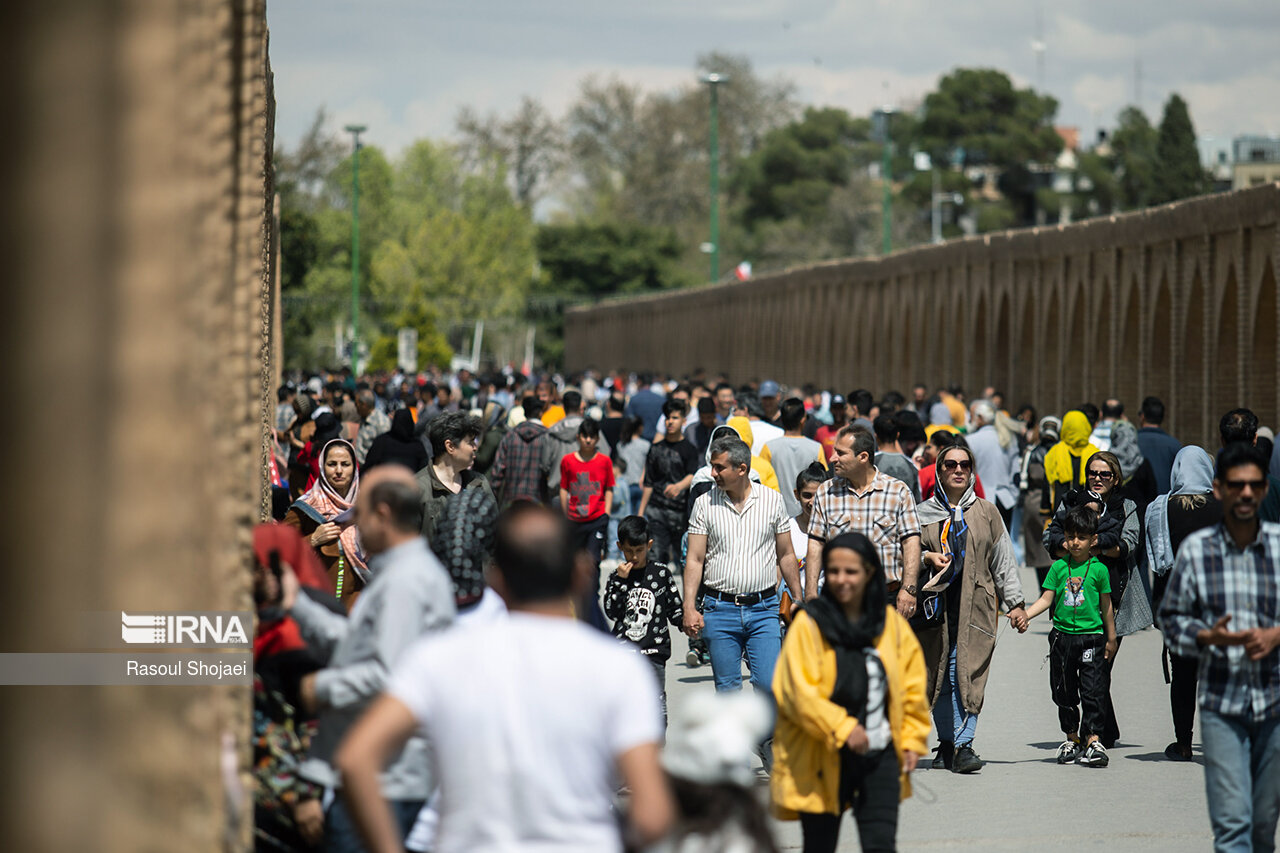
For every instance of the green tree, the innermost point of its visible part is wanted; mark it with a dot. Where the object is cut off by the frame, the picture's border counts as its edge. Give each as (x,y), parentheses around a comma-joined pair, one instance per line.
(979,112)
(1179,173)
(1134,157)
(529,144)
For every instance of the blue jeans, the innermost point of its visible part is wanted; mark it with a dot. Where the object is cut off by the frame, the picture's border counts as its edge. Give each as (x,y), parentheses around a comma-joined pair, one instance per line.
(341,835)
(1241,781)
(730,630)
(949,716)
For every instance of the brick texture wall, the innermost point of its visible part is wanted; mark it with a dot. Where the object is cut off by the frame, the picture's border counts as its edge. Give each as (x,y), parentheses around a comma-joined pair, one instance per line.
(1178,301)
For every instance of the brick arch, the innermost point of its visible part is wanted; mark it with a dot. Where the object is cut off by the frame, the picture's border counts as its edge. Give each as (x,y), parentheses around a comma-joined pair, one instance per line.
(979,365)
(1050,387)
(954,330)
(1028,375)
(1002,346)
(1260,373)
(1077,357)
(1189,395)
(1225,393)
(1128,346)
(1158,379)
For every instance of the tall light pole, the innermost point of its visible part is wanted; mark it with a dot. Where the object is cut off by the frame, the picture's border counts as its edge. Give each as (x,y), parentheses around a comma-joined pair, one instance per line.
(880,128)
(712,81)
(355,130)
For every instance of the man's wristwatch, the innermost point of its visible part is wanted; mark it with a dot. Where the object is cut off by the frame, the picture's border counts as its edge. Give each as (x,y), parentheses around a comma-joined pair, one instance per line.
(910,589)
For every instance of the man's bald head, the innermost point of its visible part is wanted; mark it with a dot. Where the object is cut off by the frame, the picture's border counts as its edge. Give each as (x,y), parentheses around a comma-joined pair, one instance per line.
(388,507)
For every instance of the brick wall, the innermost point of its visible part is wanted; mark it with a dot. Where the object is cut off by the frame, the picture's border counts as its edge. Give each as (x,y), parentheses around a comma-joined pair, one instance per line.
(138,340)
(1178,301)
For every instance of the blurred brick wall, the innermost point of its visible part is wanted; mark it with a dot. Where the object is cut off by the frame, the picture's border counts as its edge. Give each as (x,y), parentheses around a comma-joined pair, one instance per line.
(1177,301)
(138,340)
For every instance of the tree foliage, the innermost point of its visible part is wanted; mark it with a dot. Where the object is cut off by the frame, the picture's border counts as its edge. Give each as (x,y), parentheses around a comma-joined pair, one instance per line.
(979,112)
(1180,173)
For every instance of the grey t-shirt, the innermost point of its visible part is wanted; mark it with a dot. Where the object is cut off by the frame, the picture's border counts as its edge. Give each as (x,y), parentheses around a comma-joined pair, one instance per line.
(789,455)
(899,467)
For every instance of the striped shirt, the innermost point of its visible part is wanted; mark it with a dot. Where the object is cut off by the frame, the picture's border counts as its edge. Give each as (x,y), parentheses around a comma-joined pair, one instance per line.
(1212,578)
(742,545)
(884,513)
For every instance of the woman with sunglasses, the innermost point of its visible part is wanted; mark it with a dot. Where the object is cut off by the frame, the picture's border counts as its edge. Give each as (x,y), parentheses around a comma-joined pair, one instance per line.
(1118,551)
(968,567)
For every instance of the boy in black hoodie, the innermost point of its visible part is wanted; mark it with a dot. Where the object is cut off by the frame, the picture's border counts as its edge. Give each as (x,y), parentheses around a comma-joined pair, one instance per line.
(642,598)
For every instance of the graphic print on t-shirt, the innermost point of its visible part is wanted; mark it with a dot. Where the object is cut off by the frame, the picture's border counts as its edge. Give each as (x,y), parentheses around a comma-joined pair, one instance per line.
(1073,593)
(582,490)
(640,603)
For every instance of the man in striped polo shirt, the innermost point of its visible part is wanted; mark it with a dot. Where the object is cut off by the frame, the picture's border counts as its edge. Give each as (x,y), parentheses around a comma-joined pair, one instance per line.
(739,537)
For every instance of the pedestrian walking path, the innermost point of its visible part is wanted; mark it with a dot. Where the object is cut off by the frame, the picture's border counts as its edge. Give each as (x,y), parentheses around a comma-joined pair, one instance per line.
(1022,799)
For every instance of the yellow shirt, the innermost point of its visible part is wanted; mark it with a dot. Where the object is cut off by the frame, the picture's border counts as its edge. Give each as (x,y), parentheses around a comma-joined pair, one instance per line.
(553,415)
(811,728)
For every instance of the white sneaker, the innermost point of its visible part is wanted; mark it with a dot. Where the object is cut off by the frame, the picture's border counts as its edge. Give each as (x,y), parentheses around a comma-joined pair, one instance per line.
(1068,752)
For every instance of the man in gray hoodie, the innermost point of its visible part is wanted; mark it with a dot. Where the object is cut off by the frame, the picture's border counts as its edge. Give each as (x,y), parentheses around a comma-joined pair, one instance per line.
(561,440)
(409,595)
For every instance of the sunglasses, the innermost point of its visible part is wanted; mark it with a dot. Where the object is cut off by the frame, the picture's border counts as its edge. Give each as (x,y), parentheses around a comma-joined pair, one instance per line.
(1101,475)
(953,464)
(1238,485)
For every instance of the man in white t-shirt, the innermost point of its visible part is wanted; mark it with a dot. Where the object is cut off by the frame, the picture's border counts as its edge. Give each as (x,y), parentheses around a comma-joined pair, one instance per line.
(528,750)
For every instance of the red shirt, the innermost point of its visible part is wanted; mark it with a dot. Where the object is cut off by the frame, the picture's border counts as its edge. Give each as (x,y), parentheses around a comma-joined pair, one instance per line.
(826,436)
(586,483)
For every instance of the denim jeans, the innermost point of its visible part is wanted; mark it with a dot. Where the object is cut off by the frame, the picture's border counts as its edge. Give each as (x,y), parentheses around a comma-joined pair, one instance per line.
(341,835)
(730,630)
(1241,781)
(949,716)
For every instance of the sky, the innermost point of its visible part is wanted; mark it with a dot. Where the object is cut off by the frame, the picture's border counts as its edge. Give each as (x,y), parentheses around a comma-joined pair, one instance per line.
(404,68)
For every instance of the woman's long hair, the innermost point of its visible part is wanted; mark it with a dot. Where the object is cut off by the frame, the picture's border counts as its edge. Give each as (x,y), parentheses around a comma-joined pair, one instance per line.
(632,426)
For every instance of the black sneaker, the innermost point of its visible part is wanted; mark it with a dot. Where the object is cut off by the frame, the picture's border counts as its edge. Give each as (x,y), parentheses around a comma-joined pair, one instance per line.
(943,754)
(1178,751)
(1094,755)
(965,760)
(1069,751)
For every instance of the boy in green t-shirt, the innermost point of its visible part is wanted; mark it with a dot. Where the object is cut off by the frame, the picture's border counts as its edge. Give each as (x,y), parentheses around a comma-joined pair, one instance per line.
(1078,652)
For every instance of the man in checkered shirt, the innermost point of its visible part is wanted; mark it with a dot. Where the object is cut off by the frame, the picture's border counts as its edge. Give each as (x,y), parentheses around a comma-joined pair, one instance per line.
(862,499)
(1223,606)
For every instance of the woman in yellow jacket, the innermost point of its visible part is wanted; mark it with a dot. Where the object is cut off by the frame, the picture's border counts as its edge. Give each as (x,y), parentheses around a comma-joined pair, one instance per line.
(852,714)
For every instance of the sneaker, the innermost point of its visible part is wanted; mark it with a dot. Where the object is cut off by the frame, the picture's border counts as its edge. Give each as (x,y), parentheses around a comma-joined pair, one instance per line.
(1069,751)
(965,760)
(1094,755)
(943,755)
(693,659)
(1178,751)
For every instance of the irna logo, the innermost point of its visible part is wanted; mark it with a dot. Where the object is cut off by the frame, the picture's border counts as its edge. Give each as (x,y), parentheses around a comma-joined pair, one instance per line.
(184,629)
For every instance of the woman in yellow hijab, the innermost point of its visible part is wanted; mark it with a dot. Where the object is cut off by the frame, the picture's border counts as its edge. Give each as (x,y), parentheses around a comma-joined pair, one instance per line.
(1064,464)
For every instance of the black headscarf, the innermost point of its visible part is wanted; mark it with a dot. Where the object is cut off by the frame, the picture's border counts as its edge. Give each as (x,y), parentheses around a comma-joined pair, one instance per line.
(327,429)
(851,639)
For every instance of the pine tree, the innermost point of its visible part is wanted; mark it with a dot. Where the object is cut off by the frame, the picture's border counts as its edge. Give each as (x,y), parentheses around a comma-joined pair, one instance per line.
(1179,173)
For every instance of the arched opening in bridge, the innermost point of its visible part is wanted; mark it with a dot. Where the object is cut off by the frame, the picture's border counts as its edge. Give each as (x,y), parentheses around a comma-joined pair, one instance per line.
(1023,378)
(1225,392)
(1079,356)
(1190,400)
(1050,390)
(1003,343)
(1129,347)
(1159,375)
(979,366)
(1261,371)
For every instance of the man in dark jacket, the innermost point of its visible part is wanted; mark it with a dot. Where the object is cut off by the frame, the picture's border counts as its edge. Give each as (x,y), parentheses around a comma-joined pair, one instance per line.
(562,439)
(1156,445)
(517,473)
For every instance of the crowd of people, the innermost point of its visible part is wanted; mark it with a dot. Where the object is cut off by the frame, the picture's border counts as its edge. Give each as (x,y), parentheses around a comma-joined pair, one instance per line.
(444,541)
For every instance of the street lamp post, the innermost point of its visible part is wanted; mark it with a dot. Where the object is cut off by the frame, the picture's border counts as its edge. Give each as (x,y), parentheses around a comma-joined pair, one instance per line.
(886,176)
(355,130)
(712,81)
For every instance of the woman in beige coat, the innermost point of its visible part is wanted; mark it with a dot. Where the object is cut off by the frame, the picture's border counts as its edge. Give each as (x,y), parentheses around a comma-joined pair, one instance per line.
(966,564)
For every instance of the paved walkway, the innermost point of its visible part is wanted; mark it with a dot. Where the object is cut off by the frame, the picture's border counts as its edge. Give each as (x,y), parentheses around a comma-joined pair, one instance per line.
(1022,799)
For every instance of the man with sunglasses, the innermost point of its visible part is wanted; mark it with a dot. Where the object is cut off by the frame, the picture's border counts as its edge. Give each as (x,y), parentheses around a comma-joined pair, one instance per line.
(1222,605)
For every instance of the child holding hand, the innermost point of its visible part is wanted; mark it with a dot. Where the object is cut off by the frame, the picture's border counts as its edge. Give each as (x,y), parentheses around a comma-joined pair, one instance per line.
(1078,590)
